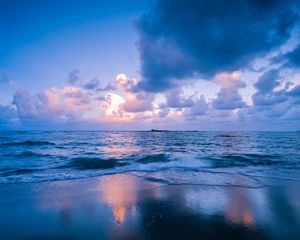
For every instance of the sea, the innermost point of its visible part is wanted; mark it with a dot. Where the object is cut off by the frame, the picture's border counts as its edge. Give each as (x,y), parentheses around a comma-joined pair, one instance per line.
(172,157)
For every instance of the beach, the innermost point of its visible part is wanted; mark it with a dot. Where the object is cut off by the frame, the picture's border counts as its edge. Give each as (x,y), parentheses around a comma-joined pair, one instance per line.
(124,206)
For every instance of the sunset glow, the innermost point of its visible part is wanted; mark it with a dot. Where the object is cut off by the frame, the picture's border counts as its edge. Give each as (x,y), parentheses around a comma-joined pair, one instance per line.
(150,119)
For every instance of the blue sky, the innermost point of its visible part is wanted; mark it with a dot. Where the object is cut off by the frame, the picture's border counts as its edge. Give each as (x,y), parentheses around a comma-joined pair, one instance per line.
(45,40)
(198,65)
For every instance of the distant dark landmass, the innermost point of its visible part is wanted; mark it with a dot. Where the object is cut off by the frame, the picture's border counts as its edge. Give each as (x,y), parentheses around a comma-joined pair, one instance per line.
(156,130)
(162,130)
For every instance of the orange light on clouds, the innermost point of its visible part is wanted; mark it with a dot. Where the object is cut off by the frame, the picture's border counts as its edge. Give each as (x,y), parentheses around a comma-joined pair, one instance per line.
(229,80)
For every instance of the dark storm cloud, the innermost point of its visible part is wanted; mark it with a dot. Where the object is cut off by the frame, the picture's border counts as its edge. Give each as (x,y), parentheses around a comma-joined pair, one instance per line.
(198,38)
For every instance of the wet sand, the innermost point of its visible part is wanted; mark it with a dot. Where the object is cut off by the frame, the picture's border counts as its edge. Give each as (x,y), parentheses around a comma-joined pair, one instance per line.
(124,206)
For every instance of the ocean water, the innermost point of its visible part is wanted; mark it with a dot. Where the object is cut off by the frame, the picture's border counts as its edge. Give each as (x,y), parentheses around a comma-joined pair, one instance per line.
(210,158)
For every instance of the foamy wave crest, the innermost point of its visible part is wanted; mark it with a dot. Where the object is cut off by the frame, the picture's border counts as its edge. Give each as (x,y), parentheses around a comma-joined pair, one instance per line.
(162,161)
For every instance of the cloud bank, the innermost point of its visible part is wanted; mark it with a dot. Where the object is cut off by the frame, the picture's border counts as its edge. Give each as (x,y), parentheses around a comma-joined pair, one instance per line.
(275,106)
(181,39)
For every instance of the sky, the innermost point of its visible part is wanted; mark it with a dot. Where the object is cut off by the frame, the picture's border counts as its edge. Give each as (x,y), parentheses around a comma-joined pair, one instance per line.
(143,64)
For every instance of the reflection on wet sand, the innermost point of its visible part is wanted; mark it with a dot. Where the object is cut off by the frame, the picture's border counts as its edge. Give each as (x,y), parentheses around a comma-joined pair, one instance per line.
(122,206)
(119,192)
(173,217)
(239,211)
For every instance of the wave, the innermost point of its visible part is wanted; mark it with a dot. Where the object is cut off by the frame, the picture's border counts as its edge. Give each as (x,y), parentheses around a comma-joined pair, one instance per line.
(19,172)
(28,143)
(29,154)
(154,158)
(24,154)
(183,166)
(94,163)
(227,135)
(162,161)
(248,159)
